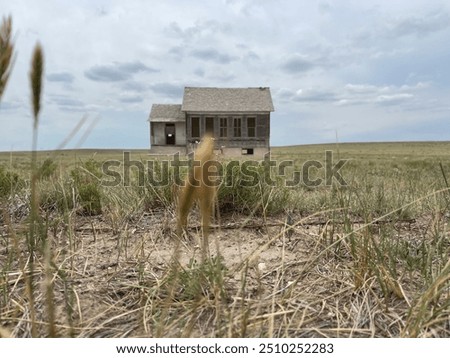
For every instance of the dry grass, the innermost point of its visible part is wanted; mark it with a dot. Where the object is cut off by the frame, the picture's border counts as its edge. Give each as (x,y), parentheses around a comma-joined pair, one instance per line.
(6,52)
(122,285)
(355,269)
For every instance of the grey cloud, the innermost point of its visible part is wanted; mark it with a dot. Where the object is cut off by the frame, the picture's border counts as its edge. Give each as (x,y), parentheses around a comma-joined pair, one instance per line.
(394,99)
(67,103)
(356,94)
(222,76)
(251,55)
(210,54)
(297,64)
(200,72)
(305,95)
(359,88)
(167,89)
(116,72)
(131,99)
(284,94)
(134,86)
(177,52)
(60,77)
(106,74)
(353,94)
(197,30)
(314,96)
(420,26)
(134,67)
(10,106)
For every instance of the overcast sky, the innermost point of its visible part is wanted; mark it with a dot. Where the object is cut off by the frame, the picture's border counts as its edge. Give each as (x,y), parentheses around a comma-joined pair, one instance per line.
(356,70)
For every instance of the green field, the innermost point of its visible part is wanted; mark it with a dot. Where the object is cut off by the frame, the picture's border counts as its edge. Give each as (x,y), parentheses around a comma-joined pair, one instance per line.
(368,257)
(378,152)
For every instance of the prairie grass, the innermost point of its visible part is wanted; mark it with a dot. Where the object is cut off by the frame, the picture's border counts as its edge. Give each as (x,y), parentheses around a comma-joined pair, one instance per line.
(369,259)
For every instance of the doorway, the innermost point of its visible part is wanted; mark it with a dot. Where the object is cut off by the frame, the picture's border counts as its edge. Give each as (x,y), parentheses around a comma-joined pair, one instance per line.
(170,134)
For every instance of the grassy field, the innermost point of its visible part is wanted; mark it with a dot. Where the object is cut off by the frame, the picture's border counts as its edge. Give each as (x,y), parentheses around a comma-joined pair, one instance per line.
(365,257)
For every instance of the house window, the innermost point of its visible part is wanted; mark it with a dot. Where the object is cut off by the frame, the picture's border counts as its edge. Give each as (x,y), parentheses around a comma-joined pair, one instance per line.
(251,127)
(237,126)
(195,127)
(209,125)
(247,151)
(223,127)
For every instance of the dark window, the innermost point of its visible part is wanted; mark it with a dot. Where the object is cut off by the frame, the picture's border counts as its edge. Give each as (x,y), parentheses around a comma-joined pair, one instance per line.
(209,125)
(247,151)
(195,127)
(251,127)
(170,134)
(223,127)
(262,126)
(237,127)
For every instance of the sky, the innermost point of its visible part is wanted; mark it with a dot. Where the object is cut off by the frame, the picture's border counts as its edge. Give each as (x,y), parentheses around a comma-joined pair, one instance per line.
(347,71)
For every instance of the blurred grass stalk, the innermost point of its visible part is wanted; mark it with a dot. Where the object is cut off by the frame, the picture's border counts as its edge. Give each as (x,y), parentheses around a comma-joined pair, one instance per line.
(6,52)
(36,75)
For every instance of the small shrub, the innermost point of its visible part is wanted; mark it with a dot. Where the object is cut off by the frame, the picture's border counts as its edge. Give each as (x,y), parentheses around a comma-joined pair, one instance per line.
(247,188)
(58,196)
(200,279)
(9,183)
(87,183)
(47,169)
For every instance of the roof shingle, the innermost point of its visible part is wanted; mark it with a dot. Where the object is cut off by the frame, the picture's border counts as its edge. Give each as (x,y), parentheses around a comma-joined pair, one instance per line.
(212,99)
(166,113)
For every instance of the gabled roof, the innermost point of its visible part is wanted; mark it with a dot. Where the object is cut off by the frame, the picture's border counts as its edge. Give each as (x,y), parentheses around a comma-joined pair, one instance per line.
(166,113)
(212,99)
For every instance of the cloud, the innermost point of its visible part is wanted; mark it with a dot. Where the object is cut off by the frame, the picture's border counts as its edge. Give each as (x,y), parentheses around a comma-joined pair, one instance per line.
(221,76)
(134,86)
(420,26)
(354,94)
(393,99)
(116,72)
(252,56)
(131,99)
(297,64)
(199,29)
(60,77)
(168,89)
(210,54)
(177,52)
(314,95)
(357,94)
(106,74)
(10,106)
(67,103)
(200,72)
(374,35)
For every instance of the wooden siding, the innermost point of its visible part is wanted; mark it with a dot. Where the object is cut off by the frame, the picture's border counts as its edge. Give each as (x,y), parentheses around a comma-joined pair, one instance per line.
(261,129)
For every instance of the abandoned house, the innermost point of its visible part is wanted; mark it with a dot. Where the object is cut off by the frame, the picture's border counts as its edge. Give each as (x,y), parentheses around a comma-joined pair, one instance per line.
(238,118)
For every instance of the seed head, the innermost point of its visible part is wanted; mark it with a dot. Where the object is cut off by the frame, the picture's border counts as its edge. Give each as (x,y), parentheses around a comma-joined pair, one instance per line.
(37,69)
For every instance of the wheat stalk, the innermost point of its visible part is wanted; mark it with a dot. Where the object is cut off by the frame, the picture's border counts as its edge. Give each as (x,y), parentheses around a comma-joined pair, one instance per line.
(37,66)
(6,52)
(37,69)
(198,186)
